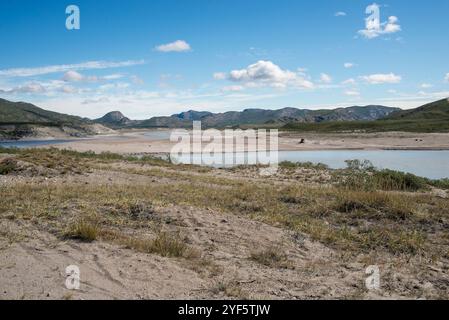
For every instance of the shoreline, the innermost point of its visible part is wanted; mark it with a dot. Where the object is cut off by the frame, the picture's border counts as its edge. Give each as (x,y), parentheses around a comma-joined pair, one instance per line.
(142,142)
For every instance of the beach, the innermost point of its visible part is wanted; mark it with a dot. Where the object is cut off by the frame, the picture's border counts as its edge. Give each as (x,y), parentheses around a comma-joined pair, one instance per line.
(142,142)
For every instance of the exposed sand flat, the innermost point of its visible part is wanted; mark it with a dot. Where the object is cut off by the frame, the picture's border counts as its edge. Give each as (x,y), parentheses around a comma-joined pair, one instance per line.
(137,142)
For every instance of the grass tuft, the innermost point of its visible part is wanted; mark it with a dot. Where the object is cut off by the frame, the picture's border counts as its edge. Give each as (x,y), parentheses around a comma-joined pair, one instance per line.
(83,230)
(273,258)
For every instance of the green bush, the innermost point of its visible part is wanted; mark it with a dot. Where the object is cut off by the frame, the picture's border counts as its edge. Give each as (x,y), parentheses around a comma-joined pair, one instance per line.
(395,180)
(307,165)
(362,175)
(7,166)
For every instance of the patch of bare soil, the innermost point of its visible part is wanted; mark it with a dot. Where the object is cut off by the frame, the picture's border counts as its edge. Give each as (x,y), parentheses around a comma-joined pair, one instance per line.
(240,258)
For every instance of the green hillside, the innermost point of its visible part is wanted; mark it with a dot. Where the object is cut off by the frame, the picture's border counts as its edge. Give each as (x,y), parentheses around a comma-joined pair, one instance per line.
(26,113)
(432,117)
(438,110)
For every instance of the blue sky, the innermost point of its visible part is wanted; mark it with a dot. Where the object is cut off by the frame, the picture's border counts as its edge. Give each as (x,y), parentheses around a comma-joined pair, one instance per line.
(148,58)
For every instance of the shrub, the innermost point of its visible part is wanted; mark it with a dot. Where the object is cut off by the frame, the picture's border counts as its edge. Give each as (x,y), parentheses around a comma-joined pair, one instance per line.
(306,165)
(7,166)
(362,175)
(395,180)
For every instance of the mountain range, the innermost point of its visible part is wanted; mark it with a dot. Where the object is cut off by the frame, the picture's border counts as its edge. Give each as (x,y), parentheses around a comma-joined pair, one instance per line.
(246,117)
(20,119)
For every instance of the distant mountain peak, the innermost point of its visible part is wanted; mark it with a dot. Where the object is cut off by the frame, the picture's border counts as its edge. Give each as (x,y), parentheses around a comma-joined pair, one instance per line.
(114,118)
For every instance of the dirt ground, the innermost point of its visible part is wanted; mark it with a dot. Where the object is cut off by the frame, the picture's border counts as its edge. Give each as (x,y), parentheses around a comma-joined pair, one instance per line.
(33,258)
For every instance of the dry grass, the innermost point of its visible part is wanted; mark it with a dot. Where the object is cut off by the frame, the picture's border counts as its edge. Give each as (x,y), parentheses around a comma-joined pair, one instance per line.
(82,230)
(360,220)
(164,244)
(272,257)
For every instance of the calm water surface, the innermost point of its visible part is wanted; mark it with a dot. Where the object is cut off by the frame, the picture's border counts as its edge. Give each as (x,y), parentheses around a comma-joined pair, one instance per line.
(430,164)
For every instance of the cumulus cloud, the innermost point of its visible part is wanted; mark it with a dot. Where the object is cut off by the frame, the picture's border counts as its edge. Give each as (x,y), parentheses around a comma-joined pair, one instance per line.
(382,78)
(72,76)
(325,78)
(374,28)
(349,65)
(29,72)
(176,46)
(266,73)
(340,14)
(426,85)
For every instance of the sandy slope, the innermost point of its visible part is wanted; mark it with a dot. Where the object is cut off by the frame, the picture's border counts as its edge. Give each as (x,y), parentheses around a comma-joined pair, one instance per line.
(35,267)
(33,259)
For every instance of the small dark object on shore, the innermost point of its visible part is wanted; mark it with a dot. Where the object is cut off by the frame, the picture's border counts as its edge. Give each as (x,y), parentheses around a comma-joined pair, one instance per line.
(302,141)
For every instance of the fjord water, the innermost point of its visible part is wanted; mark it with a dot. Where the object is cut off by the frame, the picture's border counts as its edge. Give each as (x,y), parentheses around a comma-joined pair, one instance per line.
(30,143)
(429,164)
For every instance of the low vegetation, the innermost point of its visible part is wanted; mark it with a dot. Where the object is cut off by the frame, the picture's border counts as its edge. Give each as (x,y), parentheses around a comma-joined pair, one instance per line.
(8,165)
(83,230)
(359,211)
(433,117)
(272,257)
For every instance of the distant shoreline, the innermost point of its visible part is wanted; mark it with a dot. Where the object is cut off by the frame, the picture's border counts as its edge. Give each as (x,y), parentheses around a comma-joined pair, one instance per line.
(141,142)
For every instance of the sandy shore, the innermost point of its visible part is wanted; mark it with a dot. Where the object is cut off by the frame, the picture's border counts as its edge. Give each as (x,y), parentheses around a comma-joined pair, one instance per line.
(157,141)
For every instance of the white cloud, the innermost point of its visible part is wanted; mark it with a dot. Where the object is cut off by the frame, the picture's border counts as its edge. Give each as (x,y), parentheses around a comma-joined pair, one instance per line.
(75,76)
(340,14)
(29,72)
(219,76)
(382,78)
(266,73)
(374,28)
(392,25)
(349,65)
(352,93)
(426,85)
(177,46)
(233,88)
(32,87)
(447,77)
(325,78)
(114,76)
(349,81)
(72,76)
